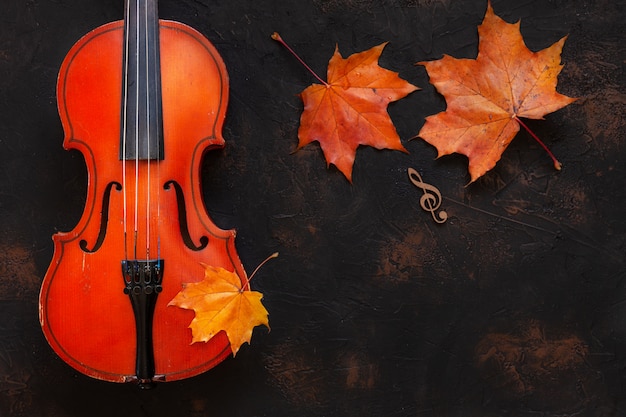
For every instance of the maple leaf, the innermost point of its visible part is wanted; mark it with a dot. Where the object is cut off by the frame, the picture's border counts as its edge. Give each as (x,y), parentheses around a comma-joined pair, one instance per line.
(220,304)
(350,109)
(487,96)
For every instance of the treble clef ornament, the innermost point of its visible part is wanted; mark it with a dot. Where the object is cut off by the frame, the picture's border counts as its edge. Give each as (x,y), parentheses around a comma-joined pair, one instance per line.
(431,200)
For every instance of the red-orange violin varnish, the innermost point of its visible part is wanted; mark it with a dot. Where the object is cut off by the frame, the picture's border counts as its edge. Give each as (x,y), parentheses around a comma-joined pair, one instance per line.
(145,211)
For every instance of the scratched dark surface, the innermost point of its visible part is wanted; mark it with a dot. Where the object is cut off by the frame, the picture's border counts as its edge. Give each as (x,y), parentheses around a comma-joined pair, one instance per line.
(515,306)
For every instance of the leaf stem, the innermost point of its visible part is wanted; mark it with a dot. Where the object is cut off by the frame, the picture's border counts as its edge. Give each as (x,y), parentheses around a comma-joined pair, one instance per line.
(272,256)
(557,164)
(280,40)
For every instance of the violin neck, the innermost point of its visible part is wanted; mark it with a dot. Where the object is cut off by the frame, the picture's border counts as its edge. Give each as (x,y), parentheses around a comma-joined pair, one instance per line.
(141,124)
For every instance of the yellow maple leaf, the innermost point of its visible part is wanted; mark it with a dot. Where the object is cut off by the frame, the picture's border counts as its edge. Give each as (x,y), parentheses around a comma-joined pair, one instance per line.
(221,303)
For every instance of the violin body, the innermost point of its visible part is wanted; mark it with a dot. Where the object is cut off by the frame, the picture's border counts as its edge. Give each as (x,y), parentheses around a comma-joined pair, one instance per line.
(86,312)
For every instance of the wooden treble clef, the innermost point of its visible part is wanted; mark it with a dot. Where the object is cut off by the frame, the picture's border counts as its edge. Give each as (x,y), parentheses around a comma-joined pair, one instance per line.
(142,99)
(431,199)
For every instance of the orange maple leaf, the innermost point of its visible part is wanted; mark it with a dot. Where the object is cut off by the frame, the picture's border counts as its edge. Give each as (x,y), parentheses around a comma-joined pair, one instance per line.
(220,304)
(350,109)
(486,96)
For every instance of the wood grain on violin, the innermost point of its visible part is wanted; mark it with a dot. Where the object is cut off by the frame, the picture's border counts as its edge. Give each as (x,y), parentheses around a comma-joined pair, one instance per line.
(142,99)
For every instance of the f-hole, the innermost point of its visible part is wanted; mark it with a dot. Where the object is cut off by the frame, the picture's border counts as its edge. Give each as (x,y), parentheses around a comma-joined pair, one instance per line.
(182,218)
(104,219)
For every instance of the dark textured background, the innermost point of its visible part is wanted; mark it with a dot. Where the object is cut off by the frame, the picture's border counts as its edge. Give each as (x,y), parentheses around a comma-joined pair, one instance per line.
(516,306)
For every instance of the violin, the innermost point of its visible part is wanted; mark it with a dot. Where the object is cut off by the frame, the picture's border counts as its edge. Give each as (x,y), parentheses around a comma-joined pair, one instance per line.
(142,99)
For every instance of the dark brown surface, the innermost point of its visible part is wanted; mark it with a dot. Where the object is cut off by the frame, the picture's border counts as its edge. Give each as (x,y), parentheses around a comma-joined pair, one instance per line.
(515,306)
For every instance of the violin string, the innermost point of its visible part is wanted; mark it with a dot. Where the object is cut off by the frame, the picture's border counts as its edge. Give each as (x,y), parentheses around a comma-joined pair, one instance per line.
(159,126)
(136,218)
(124,128)
(148,125)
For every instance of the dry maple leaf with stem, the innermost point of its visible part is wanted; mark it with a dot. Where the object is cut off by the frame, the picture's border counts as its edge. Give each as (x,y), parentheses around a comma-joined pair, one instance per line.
(487,96)
(222,303)
(350,109)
